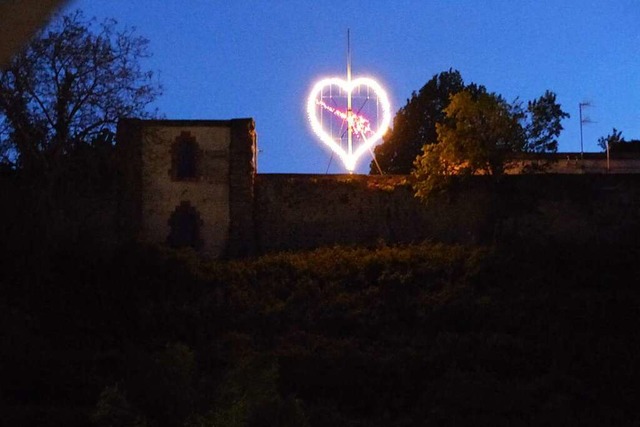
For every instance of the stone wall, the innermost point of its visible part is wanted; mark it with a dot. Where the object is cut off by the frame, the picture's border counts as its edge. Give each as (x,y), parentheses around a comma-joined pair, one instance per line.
(583,209)
(156,193)
(577,163)
(242,171)
(240,213)
(307,211)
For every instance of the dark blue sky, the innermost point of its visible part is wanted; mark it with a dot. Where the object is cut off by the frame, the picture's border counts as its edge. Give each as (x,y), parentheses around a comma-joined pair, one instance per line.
(228,59)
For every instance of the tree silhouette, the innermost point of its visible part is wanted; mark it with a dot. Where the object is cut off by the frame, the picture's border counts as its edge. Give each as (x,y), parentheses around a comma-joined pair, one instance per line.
(415,124)
(479,134)
(542,124)
(69,85)
(618,144)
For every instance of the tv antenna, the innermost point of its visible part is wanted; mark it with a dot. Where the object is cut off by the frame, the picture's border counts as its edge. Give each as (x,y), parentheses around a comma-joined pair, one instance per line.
(583,120)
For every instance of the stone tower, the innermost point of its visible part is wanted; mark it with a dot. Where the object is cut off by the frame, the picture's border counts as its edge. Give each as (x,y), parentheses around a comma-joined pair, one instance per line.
(189,183)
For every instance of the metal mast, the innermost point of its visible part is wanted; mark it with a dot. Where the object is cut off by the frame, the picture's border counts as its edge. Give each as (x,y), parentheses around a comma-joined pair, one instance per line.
(583,120)
(349,110)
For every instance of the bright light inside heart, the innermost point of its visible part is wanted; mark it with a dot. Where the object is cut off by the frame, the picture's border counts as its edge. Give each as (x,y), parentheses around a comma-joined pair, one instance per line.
(360,126)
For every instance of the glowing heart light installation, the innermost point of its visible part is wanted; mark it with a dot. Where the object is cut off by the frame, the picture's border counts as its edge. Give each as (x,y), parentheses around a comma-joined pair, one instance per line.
(357,124)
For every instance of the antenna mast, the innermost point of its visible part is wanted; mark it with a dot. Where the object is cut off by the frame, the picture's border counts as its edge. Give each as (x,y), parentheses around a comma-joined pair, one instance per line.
(349,109)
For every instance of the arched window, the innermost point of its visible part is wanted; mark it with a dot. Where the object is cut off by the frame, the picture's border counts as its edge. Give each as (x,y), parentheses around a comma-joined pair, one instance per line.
(184,225)
(184,158)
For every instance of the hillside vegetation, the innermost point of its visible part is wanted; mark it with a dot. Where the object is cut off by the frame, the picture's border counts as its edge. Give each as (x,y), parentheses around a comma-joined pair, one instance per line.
(403,336)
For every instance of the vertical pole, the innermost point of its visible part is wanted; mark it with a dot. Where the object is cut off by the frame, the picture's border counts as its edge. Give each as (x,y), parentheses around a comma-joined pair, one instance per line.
(580,109)
(349,111)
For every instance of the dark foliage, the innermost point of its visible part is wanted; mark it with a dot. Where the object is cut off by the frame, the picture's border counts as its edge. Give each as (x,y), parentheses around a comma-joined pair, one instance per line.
(446,335)
(543,124)
(67,89)
(60,100)
(616,143)
(414,125)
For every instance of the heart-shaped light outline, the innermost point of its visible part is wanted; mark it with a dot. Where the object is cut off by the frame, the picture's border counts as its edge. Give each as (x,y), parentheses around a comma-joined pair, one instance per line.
(349,160)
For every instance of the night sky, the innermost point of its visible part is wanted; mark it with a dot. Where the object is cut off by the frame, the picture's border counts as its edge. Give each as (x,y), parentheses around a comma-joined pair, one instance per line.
(233,59)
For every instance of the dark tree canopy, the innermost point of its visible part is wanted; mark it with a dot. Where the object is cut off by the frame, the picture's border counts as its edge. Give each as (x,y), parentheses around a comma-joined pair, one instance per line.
(415,124)
(616,143)
(542,124)
(69,85)
(479,135)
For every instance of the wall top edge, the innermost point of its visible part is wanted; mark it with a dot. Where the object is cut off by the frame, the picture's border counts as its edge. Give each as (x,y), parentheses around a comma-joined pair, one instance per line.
(182,123)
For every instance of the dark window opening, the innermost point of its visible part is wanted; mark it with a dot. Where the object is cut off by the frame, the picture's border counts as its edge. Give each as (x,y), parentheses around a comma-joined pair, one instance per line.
(185,227)
(186,167)
(184,155)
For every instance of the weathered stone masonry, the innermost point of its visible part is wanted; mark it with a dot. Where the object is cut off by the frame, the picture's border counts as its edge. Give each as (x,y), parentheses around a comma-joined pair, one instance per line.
(194,183)
(188,183)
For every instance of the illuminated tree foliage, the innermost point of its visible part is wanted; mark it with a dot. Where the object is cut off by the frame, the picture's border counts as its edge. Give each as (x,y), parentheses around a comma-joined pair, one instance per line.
(415,124)
(475,137)
(67,87)
(479,135)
